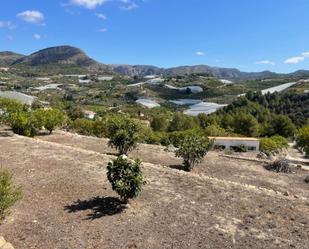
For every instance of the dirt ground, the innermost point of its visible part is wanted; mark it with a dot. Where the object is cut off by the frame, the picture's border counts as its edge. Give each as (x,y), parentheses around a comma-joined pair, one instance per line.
(225,203)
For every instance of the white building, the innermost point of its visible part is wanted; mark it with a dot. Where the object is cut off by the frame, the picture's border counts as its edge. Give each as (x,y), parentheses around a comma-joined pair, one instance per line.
(89,114)
(250,143)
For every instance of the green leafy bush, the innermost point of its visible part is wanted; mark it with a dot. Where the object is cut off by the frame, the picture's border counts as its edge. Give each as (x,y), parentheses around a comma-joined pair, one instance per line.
(9,194)
(24,123)
(192,149)
(302,139)
(273,144)
(123,134)
(125,177)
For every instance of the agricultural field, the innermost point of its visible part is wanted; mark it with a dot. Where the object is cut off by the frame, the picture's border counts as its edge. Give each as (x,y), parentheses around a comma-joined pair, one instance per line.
(225,202)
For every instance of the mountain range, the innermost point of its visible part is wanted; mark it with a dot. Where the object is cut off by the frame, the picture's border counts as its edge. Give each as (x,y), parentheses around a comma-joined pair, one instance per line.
(68,55)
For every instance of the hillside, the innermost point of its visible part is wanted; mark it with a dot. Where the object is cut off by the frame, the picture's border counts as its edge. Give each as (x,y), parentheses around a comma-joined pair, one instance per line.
(227,203)
(223,73)
(61,55)
(7,58)
(68,55)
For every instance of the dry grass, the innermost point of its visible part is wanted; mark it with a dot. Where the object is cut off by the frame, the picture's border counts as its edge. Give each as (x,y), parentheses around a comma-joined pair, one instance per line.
(225,203)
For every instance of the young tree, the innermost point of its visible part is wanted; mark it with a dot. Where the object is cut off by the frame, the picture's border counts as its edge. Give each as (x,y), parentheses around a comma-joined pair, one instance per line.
(125,177)
(192,149)
(9,194)
(123,134)
(52,119)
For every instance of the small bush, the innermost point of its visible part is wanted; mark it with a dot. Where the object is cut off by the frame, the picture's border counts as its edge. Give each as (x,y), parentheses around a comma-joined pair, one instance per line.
(302,139)
(125,177)
(192,149)
(8,193)
(281,165)
(123,134)
(273,144)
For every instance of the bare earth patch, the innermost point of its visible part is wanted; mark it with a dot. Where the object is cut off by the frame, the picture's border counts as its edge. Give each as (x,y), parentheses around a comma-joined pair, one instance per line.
(224,203)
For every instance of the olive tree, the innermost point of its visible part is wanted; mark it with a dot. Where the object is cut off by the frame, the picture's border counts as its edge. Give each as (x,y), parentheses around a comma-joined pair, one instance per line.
(192,149)
(9,194)
(125,177)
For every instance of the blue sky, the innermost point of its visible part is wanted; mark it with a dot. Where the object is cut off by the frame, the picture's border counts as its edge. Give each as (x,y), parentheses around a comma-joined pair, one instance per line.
(252,35)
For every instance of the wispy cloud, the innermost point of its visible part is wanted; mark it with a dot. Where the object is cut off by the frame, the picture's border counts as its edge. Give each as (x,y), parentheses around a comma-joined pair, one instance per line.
(294,60)
(31,16)
(7,25)
(305,54)
(200,53)
(89,4)
(265,62)
(37,36)
(128,5)
(297,59)
(101,16)
(104,30)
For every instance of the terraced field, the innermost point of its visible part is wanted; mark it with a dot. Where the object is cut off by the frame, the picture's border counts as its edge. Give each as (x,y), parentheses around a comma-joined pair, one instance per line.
(224,203)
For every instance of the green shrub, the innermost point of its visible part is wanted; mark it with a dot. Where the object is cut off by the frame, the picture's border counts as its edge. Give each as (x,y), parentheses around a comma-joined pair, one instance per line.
(125,177)
(53,118)
(273,144)
(159,123)
(83,126)
(9,194)
(24,123)
(302,139)
(123,134)
(182,122)
(192,149)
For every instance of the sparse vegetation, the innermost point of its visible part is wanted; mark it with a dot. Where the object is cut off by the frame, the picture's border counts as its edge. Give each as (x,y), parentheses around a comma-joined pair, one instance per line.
(125,177)
(9,194)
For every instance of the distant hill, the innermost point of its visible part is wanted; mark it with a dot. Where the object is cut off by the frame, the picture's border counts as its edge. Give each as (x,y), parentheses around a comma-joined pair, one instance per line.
(71,56)
(137,70)
(63,55)
(7,58)
(224,73)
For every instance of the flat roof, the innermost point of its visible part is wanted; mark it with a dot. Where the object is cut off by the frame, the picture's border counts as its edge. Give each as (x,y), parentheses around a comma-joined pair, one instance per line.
(235,138)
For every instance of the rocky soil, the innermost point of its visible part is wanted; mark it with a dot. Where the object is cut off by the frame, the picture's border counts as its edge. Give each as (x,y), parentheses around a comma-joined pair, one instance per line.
(224,203)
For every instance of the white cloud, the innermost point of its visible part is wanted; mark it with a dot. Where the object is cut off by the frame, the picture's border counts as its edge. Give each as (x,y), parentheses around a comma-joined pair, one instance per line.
(265,62)
(101,16)
(294,60)
(7,25)
(32,16)
(103,30)
(37,36)
(305,54)
(89,4)
(200,53)
(128,5)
